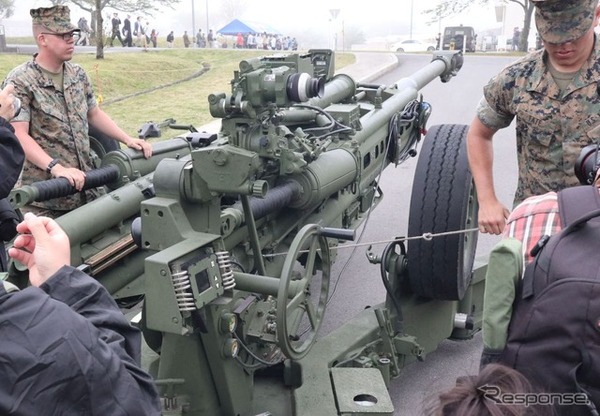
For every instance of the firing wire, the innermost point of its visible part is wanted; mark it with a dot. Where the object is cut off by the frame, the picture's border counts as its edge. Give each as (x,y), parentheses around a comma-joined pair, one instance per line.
(424,236)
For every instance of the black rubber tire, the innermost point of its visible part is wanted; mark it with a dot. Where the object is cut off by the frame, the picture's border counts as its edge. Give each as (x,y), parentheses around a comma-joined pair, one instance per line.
(443,199)
(400,50)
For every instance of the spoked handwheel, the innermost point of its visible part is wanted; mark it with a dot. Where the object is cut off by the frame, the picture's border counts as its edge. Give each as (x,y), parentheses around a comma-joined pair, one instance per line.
(303,291)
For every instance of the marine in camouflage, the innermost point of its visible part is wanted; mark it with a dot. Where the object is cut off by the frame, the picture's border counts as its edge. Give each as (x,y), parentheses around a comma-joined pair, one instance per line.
(58,122)
(551,126)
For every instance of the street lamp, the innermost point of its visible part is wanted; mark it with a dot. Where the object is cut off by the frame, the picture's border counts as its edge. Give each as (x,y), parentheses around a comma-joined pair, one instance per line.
(193,20)
(334,14)
(412,7)
(207,26)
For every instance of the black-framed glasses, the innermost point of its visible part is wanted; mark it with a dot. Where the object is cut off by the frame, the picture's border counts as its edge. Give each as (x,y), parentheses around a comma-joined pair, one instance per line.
(65,36)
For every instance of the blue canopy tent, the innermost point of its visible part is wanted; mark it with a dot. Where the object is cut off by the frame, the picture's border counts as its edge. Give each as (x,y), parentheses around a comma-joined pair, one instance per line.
(237,26)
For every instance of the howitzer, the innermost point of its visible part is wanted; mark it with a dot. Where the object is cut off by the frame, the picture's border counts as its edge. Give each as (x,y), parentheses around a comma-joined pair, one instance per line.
(237,239)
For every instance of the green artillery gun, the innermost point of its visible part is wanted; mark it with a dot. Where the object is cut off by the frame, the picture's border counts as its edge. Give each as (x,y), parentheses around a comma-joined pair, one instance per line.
(230,238)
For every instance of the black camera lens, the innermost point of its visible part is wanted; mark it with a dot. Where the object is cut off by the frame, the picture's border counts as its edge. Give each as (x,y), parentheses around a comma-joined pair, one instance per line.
(587,164)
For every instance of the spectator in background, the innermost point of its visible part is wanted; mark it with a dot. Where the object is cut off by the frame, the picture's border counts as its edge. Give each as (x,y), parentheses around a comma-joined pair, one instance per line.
(186,39)
(170,39)
(239,41)
(116,32)
(211,39)
(127,31)
(147,32)
(84,29)
(200,43)
(251,41)
(516,39)
(154,37)
(138,32)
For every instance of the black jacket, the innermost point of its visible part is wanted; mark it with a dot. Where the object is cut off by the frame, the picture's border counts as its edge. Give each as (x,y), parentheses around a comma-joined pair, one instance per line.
(11,158)
(67,349)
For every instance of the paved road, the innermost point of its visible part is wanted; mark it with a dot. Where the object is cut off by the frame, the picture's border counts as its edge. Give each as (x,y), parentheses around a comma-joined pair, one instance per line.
(360,285)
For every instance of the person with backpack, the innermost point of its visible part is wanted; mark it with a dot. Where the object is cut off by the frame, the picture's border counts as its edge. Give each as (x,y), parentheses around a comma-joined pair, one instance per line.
(542,297)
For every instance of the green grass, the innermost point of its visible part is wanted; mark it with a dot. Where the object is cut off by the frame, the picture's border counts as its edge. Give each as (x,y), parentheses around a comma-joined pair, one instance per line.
(121,75)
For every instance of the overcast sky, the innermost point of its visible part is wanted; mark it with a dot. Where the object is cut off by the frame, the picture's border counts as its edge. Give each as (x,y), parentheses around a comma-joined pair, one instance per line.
(379,18)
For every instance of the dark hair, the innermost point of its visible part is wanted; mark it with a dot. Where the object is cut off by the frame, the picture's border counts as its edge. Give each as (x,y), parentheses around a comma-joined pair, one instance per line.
(470,395)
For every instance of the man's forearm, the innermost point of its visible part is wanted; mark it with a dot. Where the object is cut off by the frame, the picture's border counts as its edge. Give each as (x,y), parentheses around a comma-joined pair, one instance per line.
(33,151)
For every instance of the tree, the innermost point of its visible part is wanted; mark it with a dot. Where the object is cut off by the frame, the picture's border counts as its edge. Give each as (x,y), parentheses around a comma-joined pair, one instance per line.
(7,8)
(230,9)
(95,8)
(454,7)
(352,35)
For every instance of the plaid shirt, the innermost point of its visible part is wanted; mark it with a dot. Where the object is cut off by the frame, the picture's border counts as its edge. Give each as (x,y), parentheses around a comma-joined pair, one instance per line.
(531,219)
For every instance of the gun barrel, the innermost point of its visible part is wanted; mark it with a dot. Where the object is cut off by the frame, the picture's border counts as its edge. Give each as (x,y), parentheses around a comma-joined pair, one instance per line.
(118,168)
(339,89)
(107,211)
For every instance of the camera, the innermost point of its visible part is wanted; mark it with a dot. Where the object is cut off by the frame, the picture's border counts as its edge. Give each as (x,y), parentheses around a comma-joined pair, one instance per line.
(587,164)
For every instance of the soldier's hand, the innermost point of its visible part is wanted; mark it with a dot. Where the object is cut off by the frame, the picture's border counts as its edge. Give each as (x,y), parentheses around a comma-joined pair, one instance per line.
(42,246)
(7,109)
(492,217)
(75,176)
(141,144)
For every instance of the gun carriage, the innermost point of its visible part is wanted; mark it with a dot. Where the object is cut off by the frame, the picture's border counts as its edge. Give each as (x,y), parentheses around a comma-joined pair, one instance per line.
(229,237)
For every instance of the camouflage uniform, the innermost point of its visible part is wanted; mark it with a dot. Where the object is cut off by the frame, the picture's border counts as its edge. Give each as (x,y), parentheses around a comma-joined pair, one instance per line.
(552,126)
(58,122)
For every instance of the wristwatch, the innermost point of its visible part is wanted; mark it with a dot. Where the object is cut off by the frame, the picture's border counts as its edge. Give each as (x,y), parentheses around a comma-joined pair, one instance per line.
(53,163)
